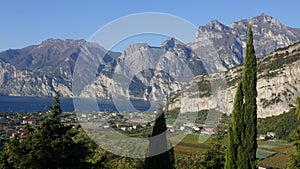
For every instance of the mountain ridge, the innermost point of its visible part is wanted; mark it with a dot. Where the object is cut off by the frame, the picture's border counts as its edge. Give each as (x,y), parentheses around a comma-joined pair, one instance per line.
(40,70)
(230,41)
(278,86)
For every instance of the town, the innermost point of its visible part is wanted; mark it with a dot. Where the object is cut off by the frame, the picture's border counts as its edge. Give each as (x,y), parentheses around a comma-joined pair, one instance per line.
(13,125)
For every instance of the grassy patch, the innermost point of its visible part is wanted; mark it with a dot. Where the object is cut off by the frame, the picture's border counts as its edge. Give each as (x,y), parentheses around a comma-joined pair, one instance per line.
(287,149)
(279,160)
(261,154)
(190,144)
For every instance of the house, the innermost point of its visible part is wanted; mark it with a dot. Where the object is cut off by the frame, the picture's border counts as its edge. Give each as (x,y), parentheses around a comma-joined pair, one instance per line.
(110,125)
(136,127)
(124,128)
(30,120)
(106,126)
(196,128)
(271,134)
(169,126)
(261,137)
(208,131)
(182,128)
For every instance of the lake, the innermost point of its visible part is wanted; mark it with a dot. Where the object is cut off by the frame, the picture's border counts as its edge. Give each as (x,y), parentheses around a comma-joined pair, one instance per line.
(41,104)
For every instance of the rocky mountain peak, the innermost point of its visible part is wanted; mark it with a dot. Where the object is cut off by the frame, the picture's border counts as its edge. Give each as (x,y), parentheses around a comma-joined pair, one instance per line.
(213,26)
(170,43)
(216,25)
(135,47)
(259,22)
(230,41)
(263,18)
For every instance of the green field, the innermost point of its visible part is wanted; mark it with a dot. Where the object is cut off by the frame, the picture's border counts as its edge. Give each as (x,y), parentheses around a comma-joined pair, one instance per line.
(270,153)
(278,160)
(276,146)
(280,153)
(261,154)
(190,144)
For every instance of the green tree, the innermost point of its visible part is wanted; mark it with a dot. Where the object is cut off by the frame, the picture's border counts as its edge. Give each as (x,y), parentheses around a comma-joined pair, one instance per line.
(242,134)
(295,135)
(231,154)
(215,156)
(158,142)
(235,131)
(48,145)
(9,156)
(249,81)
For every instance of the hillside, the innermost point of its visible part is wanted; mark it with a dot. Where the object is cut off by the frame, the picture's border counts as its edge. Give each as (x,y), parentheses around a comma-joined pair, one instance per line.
(40,70)
(278,86)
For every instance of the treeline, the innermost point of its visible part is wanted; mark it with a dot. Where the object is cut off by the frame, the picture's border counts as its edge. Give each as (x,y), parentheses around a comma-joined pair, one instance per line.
(282,125)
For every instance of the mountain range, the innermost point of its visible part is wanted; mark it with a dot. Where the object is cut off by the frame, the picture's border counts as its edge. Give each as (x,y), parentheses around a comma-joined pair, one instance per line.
(278,86)
(40,70)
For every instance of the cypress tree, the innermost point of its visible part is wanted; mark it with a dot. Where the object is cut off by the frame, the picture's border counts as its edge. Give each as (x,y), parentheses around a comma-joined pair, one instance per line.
(249,81)
(242,132)
(234,131)
(164,160)
(295,135)
(231,153)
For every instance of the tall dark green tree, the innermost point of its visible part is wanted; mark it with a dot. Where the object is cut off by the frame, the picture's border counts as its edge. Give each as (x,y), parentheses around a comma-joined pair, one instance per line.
(158,142)
(242,134)
(231,153)
(249,80)
(234,131)
(295,135)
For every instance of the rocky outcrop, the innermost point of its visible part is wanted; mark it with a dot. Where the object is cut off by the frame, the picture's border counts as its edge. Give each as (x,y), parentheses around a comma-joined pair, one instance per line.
(145,72)
(40,70)
(16,82)
(278,86)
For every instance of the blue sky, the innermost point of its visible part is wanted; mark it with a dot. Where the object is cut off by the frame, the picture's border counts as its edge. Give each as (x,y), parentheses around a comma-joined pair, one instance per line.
(30,22)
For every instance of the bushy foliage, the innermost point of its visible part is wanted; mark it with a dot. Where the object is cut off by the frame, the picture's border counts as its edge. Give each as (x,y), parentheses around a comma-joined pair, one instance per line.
(295,135)
(287,122)
(48,145)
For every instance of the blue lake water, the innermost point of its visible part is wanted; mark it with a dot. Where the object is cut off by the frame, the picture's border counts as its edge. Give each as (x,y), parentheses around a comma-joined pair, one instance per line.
(41,104)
